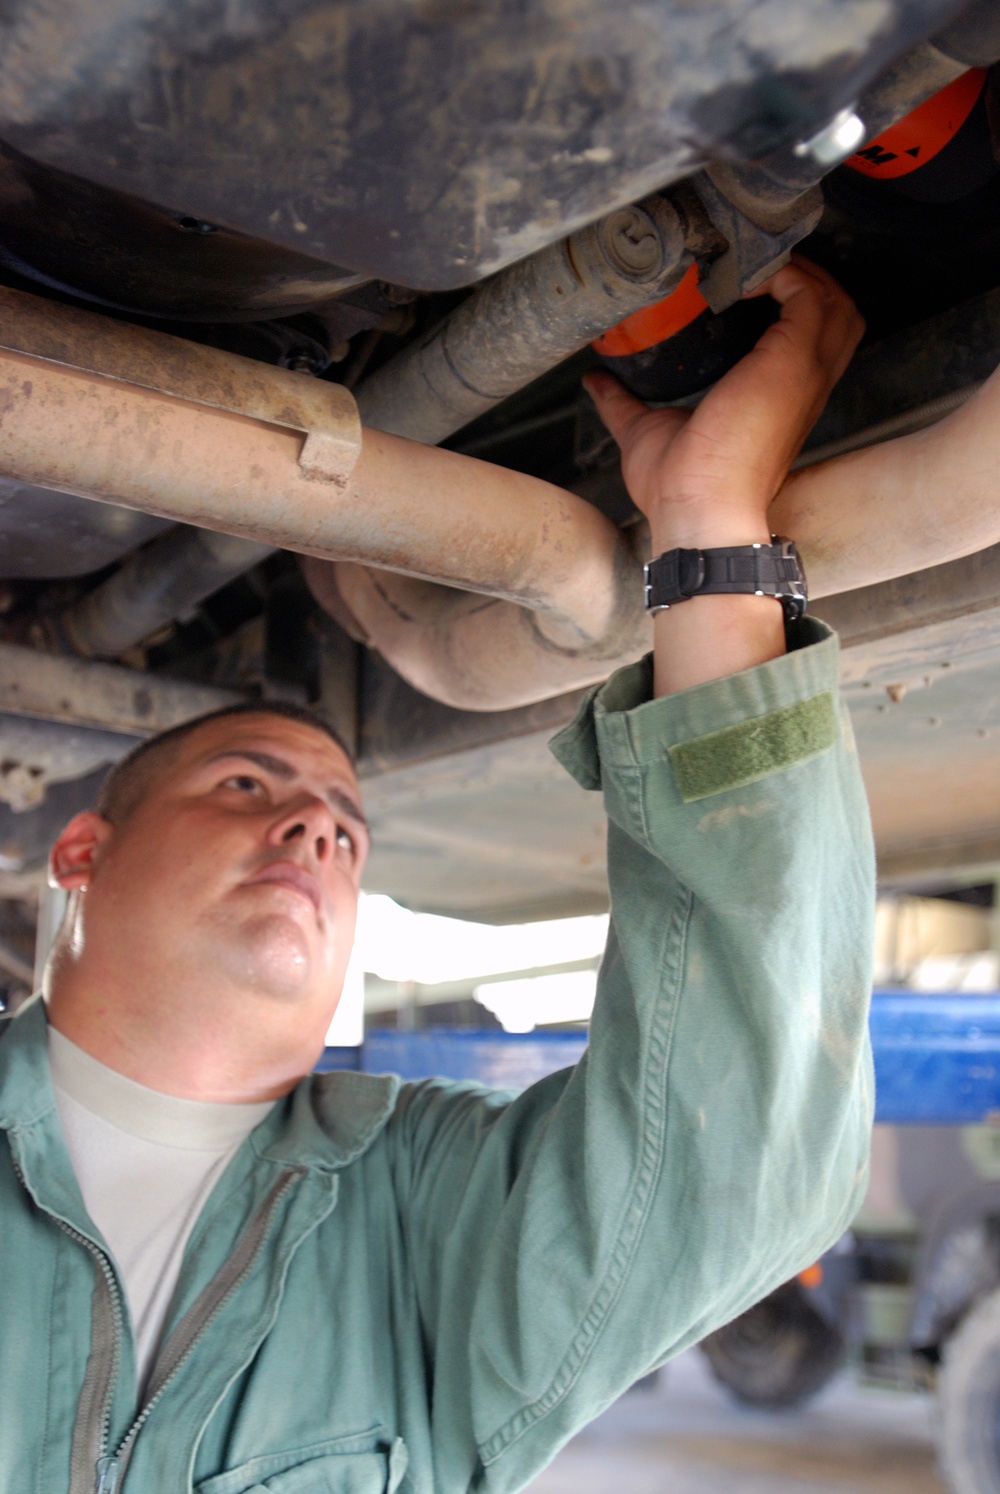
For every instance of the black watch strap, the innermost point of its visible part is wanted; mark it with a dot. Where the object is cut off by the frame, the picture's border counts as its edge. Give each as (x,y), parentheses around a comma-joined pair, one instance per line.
(773,570)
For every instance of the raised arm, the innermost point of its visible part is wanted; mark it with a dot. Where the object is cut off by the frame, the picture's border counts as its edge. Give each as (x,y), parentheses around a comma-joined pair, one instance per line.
(709,478)
(861,518)
(901,506)
(713,1140)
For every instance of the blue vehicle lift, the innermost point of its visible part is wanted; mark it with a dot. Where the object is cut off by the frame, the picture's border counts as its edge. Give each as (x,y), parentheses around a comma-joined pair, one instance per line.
(937,1057)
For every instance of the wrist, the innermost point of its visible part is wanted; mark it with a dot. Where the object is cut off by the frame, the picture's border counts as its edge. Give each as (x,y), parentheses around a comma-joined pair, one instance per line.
(713,636)
(674,526)
(710,533)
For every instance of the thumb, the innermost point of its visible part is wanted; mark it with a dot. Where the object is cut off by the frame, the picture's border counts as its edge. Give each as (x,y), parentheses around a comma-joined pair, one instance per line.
(618,409)
(623,414)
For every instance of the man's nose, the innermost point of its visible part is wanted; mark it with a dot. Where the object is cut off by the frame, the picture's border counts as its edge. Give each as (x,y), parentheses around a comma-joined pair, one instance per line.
(308,820)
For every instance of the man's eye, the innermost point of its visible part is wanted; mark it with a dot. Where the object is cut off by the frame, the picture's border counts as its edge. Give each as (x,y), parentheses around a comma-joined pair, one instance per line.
(345,840)
(243,782)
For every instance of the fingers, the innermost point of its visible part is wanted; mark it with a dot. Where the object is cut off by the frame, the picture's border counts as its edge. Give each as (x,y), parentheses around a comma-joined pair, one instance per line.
(802,355)
(800,274)
(644,436)
(746,431)
(817,313)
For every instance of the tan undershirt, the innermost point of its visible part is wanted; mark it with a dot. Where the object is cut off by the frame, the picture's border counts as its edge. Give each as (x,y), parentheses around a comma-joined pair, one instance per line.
(146,1163)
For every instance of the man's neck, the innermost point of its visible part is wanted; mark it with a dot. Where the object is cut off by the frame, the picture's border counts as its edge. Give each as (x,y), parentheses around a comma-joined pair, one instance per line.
(145,1113)
(234,1051)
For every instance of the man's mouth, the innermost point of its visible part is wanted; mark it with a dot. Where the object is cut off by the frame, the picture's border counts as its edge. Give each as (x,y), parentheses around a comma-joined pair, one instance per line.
(287,874)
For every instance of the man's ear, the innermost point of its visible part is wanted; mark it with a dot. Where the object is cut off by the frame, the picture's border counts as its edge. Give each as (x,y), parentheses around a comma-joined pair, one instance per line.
(71,860)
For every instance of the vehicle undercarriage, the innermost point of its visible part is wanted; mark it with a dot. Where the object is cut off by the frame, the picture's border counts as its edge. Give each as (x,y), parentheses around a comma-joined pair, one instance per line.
(247,253)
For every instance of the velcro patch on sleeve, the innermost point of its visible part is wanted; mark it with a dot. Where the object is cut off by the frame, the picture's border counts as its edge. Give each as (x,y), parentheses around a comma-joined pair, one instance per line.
(752,749)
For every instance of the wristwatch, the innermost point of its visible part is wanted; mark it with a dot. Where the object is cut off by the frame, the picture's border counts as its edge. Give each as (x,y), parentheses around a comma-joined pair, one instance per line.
(773,570)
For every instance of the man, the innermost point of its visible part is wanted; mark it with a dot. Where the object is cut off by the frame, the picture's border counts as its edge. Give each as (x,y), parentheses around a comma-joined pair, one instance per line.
(223,1276)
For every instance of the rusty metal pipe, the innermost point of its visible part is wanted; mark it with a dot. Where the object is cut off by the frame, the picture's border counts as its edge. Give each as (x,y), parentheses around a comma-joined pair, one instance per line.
(537,592)
(510,331)
(264,454)
(477,652)
(160,584)
(526,320)
(382,501)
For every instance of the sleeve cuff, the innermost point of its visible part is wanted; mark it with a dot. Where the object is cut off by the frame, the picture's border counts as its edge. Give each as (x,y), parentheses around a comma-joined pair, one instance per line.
(700,731)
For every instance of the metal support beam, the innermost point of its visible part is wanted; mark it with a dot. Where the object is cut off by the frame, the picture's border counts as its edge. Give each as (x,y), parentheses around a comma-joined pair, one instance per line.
(53,688)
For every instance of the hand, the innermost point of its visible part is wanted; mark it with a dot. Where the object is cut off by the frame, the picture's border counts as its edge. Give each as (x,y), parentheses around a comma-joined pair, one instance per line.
(707,477)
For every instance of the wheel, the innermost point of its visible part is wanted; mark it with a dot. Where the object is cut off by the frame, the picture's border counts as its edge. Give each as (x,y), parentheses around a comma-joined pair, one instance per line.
(779,1353)
(969,1398)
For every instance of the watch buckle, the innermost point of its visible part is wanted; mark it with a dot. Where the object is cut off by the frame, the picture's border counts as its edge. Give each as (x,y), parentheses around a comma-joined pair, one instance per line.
(690,573)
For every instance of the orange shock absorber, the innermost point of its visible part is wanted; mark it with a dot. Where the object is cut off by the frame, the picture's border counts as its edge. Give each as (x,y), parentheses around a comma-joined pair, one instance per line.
(653,324)
(942,151)
(678,346)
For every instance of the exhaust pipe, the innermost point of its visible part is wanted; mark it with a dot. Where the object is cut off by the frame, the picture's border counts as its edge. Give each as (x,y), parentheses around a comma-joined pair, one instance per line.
(140,419)
(159,584)
(494,589)
(510,330)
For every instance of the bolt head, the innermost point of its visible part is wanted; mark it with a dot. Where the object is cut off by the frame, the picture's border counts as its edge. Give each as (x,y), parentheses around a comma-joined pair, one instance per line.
(836,141)
(632,242)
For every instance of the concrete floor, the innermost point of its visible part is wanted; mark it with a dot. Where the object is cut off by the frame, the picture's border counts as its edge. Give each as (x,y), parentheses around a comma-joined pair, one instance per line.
(686,1437)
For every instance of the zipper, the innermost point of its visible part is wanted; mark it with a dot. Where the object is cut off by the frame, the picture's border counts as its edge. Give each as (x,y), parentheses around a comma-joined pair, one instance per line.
(102,1369)
(105,1476)
(113,1362)
(201,1313)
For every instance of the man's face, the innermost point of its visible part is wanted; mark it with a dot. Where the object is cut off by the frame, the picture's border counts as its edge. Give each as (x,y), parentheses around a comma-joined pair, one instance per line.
(242,862)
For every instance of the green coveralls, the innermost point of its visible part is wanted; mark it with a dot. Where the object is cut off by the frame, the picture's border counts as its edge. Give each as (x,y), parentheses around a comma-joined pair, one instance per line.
(429,1287)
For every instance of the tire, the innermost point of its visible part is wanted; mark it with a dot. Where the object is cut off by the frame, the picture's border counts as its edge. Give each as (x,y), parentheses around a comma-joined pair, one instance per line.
(969,1402)
(777,1354)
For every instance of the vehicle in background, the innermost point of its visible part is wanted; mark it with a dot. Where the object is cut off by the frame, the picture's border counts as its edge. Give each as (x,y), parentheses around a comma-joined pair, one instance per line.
(909,1298)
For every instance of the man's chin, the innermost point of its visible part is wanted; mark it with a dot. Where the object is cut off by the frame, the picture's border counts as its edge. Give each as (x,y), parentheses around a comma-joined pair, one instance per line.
(275,956)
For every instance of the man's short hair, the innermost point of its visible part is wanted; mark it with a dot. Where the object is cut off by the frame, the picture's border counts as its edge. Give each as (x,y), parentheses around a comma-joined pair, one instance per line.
(129,779)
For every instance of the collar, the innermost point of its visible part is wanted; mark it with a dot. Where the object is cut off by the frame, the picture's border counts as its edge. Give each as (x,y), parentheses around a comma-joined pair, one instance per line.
(25,1083)
(143,1113)
(327,1121)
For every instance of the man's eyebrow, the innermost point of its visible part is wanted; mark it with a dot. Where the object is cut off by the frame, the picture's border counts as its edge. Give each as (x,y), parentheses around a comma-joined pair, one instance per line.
(286,772)
(346,804)
(275,765)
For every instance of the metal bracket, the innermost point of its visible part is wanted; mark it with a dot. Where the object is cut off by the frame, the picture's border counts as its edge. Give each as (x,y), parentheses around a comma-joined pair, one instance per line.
(760,231)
